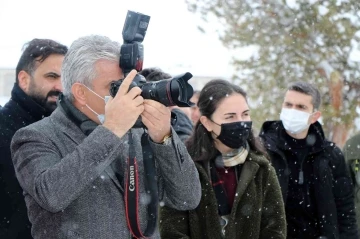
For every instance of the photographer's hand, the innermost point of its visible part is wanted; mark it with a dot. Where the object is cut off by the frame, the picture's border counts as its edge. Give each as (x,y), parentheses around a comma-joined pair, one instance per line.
(156,117)
(122,111)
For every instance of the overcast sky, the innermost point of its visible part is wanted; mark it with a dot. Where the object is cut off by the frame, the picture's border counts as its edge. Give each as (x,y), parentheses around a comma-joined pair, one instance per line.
(172,42)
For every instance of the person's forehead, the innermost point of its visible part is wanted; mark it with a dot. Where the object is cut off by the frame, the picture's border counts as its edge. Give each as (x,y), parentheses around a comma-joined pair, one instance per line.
(106,66)
(51,64)
(107,71)
(235,103)
(297,98)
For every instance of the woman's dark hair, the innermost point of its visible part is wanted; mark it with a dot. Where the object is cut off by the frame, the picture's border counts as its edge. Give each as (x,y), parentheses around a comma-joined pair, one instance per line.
(201,143)
(154,74)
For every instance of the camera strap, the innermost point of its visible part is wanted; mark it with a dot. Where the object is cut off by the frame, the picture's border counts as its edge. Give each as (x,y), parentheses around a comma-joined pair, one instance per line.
(132,189)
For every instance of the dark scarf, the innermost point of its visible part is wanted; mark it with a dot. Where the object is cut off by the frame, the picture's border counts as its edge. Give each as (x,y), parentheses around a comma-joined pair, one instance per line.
(32,109)
(80,119)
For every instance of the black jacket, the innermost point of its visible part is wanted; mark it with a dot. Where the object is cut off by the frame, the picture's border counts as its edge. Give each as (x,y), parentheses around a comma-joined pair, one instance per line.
(19,112)
(326,174)
(181,124)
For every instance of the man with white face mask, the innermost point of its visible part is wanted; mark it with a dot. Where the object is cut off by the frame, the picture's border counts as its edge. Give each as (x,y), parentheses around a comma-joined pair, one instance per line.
(86,171)
(317,189)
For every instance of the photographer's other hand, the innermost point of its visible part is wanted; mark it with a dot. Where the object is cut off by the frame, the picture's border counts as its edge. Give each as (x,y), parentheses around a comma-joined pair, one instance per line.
(156,117)
(122,111)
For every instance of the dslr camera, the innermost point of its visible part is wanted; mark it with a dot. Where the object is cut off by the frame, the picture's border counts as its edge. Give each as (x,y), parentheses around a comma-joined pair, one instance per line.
(169,92)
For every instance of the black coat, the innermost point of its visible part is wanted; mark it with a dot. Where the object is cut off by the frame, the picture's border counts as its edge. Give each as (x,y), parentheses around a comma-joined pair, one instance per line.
(19,112)
(181,124)
(333,189)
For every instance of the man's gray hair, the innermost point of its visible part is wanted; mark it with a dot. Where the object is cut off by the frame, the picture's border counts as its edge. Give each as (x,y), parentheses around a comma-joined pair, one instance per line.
(307,89)
(79,62)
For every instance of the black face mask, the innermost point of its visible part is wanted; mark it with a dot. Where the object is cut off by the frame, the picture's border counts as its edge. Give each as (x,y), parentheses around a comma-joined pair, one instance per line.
(234,135)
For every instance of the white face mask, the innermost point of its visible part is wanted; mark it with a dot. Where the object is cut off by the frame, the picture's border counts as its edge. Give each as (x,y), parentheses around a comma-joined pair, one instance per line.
(101,117)
(294,121)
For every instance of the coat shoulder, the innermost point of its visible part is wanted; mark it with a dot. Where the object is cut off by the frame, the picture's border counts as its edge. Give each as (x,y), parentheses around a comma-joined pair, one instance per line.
(39,126)
(259,159)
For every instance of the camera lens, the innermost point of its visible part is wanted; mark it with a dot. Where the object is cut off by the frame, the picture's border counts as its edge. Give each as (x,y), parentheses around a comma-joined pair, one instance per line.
(169,92)
(158,91)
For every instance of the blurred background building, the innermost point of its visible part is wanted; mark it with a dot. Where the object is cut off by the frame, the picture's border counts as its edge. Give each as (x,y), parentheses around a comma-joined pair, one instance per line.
(7,79)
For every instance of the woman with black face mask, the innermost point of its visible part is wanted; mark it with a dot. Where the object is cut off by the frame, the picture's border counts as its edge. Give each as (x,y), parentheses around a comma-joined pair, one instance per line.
(241,196)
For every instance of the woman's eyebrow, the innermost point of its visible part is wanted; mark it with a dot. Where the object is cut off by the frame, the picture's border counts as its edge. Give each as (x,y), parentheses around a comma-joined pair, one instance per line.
(230,114)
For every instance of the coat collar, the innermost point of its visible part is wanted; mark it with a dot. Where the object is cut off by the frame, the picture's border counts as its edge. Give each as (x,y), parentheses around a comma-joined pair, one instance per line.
(72,131)
(275,136)
(67,126)
(249,170)
(33,110)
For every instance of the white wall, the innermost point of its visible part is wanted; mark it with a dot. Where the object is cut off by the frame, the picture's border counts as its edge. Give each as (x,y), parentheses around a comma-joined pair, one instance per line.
(3,100)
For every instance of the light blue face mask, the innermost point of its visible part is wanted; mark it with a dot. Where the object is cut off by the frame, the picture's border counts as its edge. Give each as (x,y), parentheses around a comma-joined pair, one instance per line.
(101,117)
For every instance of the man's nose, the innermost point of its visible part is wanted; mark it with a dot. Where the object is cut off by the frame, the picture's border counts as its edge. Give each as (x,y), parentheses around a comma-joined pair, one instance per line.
(58,86)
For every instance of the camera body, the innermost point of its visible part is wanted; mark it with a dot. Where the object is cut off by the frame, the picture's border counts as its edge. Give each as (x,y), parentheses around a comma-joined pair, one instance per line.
(169,92)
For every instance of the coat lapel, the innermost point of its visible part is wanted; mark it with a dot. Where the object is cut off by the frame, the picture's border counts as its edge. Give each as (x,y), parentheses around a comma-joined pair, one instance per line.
(112,175)
(74,133)
(208,206)
(69,128)
(248,172)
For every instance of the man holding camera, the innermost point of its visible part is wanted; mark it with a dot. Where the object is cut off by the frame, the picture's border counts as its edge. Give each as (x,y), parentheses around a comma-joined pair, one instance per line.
(74,165)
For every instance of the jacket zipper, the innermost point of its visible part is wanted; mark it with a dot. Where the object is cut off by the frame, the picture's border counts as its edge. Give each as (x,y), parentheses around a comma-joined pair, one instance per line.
(301,173)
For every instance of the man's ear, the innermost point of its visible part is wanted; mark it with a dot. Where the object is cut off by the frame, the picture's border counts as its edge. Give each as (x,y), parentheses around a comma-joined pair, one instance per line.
(24,81)
(314,117)
(206,122)
(79,93)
